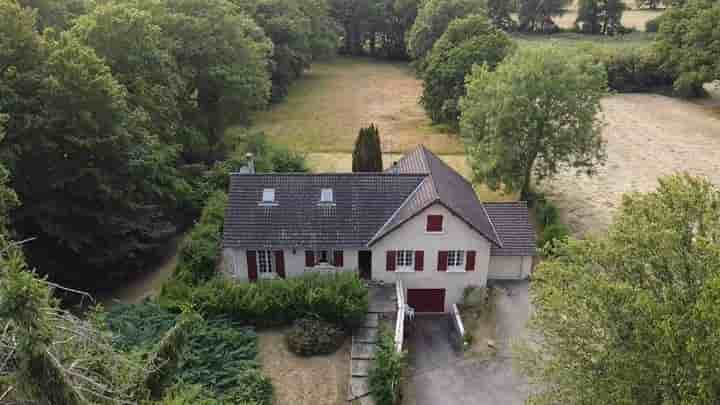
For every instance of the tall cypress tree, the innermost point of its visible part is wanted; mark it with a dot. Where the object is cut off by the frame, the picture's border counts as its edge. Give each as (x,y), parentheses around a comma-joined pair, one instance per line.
(367,156)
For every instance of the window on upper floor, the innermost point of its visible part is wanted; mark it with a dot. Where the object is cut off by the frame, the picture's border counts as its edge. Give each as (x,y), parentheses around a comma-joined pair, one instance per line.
(434,223)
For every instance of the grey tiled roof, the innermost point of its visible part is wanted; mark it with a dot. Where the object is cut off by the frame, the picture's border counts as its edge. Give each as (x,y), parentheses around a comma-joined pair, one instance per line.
(363,203)
(445,186)
(367,206)
(512,222)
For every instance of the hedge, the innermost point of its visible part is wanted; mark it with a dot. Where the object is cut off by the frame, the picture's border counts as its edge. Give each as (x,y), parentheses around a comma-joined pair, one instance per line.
(386,375)
(200,252)
(337,298)
(309,337)
(632,70)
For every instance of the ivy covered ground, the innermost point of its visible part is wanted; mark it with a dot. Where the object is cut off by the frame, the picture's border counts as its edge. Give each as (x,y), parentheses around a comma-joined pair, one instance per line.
(220,356)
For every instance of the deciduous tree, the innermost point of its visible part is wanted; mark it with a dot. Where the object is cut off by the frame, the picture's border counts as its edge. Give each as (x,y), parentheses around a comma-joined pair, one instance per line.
(468,41)
(689,43)
(600,16)
(631,317)
(536,15)
(535,114)
(434,16)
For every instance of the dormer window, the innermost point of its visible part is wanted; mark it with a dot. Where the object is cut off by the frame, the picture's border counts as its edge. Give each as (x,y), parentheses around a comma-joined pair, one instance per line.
(326,195)
(268,196)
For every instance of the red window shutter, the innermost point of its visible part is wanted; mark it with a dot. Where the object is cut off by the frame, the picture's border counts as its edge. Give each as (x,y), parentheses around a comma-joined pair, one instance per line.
(470,261)
(338,258)
(309,258)
(442,260)
(280,263)
(434,223)
(252,265)
(390,260)
(419,260)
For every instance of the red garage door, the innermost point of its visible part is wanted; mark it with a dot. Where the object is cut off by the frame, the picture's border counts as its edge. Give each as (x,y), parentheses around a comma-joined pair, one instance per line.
(426,300)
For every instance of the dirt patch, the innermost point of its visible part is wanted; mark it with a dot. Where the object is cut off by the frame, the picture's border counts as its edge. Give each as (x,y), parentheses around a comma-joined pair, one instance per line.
(648,136)
(317,380)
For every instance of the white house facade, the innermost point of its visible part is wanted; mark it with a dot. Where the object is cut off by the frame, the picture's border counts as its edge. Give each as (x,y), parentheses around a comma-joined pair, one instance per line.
(419,222)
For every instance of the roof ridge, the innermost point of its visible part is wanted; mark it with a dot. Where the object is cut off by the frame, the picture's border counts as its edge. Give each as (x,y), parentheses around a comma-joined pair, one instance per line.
(349,174)
(424,156)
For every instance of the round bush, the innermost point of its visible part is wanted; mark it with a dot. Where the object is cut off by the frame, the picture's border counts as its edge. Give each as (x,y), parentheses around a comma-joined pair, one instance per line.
(309,337)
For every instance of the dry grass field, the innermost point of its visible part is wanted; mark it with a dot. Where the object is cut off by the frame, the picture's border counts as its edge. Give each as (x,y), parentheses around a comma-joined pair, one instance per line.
(325,109)
(648,135)
(631,18)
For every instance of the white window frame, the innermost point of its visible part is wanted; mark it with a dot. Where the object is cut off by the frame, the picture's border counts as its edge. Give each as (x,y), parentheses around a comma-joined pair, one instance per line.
(405,260)
(265,264)
(456,261)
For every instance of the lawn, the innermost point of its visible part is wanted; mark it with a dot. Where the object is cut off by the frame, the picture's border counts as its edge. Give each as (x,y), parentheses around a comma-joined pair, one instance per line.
(327,107)
(634,40)
(317,380)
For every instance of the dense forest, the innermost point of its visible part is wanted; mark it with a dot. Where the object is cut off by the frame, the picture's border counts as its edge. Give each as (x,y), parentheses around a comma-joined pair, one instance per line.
(116,111)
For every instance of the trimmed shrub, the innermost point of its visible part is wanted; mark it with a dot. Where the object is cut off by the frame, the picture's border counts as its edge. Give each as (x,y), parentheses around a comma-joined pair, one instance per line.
(386,376)
(337,298)
(309,337)
(652,25)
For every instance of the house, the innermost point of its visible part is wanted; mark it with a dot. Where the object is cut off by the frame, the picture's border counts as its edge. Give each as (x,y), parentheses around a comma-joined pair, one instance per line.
(419,222)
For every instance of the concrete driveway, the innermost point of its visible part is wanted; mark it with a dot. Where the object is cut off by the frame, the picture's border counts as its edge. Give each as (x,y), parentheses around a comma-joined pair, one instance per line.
(439,375)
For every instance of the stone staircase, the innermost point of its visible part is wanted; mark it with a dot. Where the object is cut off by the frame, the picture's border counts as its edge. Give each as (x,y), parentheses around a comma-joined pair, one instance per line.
(362,354)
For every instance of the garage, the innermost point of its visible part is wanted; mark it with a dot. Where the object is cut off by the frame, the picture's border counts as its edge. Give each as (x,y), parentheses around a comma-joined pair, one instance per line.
(426,300)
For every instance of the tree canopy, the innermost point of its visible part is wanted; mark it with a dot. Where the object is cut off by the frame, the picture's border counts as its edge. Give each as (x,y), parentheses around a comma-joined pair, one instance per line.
(535,114)
(600,16)
(536,15)
(689,42)
(468,41)
(433,18)
(631,317)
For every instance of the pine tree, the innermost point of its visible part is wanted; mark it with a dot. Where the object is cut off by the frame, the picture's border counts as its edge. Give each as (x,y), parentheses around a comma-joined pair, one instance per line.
(367,156)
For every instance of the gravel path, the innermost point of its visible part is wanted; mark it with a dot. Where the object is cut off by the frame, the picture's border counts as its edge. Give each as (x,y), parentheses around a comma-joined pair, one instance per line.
(648,136)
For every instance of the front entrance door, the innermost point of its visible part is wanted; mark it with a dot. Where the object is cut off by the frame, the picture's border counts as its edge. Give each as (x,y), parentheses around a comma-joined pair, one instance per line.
(365,264)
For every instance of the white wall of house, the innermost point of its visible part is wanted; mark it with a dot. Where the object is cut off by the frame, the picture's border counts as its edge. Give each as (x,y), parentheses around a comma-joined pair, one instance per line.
(235,262)
(510,267)
(456,235)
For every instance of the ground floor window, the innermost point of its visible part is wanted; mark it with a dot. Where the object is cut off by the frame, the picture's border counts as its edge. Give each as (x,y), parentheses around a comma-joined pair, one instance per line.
(265,262)
(456,259)
(404,259)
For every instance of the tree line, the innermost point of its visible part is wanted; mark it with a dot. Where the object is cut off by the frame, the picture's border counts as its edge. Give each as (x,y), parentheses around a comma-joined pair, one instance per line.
(114,111)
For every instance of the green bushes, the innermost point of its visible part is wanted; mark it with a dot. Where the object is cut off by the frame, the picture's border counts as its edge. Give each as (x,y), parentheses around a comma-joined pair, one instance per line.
(386,376)
(309,337)
(339,298)
(632,70)
(200,251)
(219,358)
(653,25)
(548,217)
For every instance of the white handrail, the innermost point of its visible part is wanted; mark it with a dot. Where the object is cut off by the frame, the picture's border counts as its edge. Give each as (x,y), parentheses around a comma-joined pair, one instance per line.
(400,318)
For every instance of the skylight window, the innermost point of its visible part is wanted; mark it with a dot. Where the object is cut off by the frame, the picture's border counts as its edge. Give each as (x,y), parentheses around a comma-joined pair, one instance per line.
(268,195)
(326,195)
